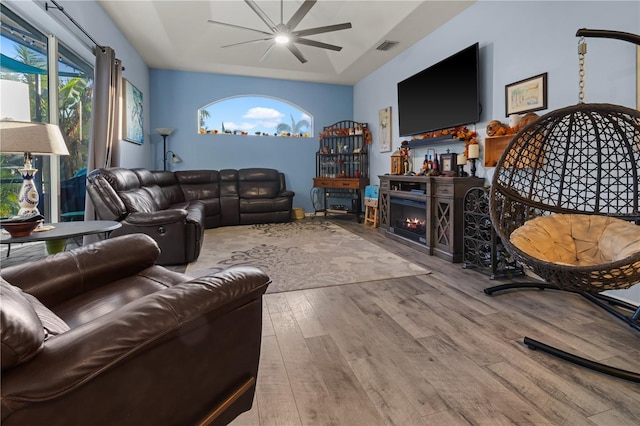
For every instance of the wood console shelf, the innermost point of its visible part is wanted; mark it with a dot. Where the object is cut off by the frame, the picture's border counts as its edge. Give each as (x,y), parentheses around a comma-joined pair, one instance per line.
(426,212)
(494,146)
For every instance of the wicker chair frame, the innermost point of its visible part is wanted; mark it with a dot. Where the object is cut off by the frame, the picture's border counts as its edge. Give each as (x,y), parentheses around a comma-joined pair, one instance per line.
(582,159)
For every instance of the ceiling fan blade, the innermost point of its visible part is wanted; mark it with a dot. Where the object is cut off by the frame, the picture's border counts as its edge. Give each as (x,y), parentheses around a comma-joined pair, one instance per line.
(267,52)
(247,42)
(252,4)
(296,52)
(319,44)
(239,27)
(319,30)
(300,14)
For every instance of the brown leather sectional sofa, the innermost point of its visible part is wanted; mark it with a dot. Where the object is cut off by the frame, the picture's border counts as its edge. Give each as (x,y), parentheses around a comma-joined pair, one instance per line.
(101,336)
(175,208)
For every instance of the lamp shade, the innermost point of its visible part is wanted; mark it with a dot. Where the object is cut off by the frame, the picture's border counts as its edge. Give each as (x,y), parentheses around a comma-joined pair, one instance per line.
(164,131)
(37,138)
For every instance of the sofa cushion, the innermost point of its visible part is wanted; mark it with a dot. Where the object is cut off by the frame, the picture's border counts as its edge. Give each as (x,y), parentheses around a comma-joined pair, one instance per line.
(258,183)
(22,334)
(199,184)
(577,239)
(264,205)
(52,323)
(211,206)
(229,183)
(171,189)
(139,200)
(121,179)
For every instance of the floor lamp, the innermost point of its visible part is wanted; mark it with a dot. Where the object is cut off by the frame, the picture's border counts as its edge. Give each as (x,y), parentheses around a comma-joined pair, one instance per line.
(164,132)
(27,138)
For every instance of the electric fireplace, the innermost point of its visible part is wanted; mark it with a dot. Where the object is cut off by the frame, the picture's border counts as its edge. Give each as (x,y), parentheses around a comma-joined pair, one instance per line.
(408,219)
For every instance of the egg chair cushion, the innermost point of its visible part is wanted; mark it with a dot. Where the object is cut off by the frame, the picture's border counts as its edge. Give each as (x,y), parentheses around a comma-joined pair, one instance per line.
(577,239)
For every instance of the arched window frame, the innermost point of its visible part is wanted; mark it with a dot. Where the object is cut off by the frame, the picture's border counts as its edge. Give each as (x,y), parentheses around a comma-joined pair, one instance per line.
(204,129)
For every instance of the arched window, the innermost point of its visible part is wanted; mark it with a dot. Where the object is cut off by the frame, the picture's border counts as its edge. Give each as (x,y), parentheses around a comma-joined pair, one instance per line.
(254,115)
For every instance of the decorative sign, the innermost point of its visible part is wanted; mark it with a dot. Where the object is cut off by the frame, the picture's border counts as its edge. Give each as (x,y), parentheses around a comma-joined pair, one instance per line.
(384,116)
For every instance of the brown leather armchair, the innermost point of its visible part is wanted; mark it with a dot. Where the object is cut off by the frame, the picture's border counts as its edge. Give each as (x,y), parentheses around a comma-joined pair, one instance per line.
(99,335)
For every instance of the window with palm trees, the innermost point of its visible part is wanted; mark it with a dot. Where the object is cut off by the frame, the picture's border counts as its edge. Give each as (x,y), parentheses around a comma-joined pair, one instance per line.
(255,115)
(24,69)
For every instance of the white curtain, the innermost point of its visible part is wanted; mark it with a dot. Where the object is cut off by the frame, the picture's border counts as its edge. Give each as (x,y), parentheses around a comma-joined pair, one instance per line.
(104,145)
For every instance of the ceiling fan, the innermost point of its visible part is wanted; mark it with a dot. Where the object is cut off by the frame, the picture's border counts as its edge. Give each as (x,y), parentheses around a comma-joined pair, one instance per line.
(287,34)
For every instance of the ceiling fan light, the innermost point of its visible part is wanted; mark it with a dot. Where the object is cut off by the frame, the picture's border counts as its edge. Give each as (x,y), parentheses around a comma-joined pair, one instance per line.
(282,39)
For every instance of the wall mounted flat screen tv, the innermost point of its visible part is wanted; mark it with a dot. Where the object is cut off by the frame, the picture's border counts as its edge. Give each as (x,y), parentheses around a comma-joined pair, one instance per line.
(442,96)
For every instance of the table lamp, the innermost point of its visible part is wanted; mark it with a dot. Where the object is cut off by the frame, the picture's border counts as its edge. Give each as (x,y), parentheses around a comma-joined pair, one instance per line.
(27,138)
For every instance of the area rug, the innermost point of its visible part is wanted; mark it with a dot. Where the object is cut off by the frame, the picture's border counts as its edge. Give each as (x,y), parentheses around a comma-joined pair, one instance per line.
(299,255)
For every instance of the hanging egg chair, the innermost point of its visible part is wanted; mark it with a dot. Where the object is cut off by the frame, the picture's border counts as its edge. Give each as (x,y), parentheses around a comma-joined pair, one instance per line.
(565,202)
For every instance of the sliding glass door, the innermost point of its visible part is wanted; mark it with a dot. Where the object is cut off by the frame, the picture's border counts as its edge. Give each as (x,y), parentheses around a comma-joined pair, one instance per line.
(25,79)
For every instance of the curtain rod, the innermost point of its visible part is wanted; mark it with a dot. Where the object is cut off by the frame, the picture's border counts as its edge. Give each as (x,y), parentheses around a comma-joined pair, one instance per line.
(61,9)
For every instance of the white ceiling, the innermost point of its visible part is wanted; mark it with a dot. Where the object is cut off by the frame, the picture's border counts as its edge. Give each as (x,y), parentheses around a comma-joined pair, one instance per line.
(176,35)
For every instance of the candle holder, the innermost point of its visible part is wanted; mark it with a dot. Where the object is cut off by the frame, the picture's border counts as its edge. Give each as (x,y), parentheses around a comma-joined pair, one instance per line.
(474,154)
(461,172)
(473,167)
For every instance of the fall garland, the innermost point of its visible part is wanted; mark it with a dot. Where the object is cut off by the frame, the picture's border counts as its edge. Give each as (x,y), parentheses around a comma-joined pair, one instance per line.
(335,131)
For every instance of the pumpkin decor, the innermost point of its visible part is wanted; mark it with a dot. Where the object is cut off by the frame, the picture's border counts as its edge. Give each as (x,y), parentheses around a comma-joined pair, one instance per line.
(528,118)
(496,128)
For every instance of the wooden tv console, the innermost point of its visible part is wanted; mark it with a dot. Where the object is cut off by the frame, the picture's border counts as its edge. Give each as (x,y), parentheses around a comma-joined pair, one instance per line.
(440,231)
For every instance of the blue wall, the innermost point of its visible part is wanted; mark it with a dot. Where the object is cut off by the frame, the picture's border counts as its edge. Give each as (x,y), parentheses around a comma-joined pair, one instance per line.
(518,39)
(176,97)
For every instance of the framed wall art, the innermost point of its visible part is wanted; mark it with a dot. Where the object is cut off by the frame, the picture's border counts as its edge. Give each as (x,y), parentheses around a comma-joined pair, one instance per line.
(526,95)
(133,117)
(384,117)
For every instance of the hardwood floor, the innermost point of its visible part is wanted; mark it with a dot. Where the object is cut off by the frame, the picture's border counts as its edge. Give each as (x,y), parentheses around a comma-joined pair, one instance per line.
(434,349)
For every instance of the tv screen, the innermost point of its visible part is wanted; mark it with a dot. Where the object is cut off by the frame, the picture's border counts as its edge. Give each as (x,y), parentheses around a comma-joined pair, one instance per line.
(442,96)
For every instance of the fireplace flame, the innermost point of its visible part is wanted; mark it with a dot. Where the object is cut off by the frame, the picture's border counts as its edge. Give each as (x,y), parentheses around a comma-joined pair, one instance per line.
(413,223)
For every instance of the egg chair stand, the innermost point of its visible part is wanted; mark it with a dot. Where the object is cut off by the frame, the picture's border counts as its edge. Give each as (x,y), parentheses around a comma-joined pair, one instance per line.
(603,301)
(564,200)
(528,189)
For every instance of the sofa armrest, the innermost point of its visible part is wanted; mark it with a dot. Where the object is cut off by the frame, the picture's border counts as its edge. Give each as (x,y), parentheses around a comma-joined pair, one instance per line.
(140,331)
(160,217)
(57,278)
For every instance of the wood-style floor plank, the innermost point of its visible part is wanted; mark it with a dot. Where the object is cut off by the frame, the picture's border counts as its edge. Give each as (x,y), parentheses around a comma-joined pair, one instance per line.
(435,350)
(307,385)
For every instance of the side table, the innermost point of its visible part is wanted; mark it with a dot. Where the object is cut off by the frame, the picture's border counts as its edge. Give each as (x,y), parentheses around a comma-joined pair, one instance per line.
(56,239)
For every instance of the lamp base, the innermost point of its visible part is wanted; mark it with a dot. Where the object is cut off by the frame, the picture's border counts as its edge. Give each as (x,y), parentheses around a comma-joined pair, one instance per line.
(28,197)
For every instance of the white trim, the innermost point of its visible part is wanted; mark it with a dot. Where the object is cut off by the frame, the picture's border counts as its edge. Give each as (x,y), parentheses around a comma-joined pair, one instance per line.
(54,118)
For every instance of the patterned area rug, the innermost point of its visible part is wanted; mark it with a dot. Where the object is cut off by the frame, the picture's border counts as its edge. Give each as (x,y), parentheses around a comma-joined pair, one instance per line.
(301,254)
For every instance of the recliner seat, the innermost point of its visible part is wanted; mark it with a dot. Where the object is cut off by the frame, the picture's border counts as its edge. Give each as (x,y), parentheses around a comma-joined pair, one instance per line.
(100,335)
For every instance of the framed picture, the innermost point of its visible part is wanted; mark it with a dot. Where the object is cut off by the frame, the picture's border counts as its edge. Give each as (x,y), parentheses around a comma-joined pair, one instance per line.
(133,117)
(526,95)
(448,162)
(384,117)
